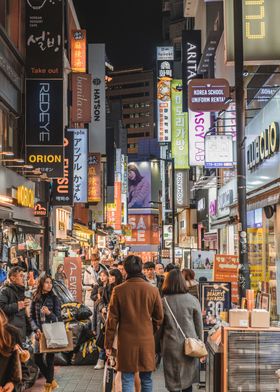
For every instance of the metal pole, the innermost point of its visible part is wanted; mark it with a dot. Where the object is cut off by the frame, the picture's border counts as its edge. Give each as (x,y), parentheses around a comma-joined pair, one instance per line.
(173,209)
(244,273)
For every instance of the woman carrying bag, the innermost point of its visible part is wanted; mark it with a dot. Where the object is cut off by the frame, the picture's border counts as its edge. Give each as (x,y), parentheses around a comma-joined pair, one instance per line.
(45,308)
(182,319)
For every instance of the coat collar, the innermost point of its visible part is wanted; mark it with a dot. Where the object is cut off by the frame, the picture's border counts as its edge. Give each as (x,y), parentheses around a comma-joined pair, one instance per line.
(136,280)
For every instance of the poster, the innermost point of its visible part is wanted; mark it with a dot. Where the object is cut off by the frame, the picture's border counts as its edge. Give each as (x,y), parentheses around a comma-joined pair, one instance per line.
(226,270)
(215,297)
(80,165)
(139,185)
(145,229)
(73,271)
(202,262)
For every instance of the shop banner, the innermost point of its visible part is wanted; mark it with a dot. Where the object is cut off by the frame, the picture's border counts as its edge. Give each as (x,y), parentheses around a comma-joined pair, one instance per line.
(118,205)
(145,229)
(199,124)
(44,29)
(80,165)
(97,126)
(218,151)
(215,298)
(78,51)
(164,109)
(226,270)
(62,188)
(124,174)
(94,177)
(191,54)
(110,214)
(73,271)
(202,262)
(180,136)
(165,53)
(182,194)
(81,98)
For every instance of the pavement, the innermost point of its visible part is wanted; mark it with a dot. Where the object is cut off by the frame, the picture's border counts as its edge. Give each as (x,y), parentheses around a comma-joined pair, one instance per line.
(86,379)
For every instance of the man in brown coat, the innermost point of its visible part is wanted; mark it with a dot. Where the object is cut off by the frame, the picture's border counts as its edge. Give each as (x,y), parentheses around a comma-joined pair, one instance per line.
(135,313)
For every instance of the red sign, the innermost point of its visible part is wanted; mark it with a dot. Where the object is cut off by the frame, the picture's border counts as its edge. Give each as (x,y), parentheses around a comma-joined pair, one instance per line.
(118,205)
(94,178)
(226,270)
(208,95)
(73,270)
(81,98)
(78,51)
(110,214)
(145,229)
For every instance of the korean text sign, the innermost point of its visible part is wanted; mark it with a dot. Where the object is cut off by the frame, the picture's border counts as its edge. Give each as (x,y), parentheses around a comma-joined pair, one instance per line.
(226,270)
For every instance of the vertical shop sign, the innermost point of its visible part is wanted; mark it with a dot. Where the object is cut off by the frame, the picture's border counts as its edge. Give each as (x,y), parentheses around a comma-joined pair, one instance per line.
(81,98)
(62,190)
(226,270)
(80,165)
(180,150)
(73,271)
(118,203)
(124,174)
(44,126)
(191,54)
(182,194)
(199,124)
(110,214)
(94,178)
(44,38)
(78,51)
(165,58)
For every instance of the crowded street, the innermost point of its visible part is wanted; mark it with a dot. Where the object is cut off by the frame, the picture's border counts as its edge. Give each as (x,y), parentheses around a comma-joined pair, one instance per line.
(139,196)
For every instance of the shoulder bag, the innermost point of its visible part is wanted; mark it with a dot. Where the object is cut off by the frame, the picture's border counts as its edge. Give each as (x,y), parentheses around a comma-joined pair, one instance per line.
(192,347)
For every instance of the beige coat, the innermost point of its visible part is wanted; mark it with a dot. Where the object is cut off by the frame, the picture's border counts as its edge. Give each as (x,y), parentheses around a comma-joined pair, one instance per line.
(135,307)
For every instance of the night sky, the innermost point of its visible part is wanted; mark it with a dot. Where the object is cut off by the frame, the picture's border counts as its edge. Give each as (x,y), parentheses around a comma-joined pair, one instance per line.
(131,29)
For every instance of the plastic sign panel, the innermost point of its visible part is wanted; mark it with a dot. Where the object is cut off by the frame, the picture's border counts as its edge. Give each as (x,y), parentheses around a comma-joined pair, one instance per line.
(81,98)
(165,53)
(94,178)
(167,232)
(41,209)
(218,151)
(182,194)
(78,51)
(73,271)
(261,38)
(208,95)
(199,124)
(180,137)
(226,270)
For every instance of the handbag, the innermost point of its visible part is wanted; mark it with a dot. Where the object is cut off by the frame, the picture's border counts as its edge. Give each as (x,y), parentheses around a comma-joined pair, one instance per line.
(192,347)
(55,334)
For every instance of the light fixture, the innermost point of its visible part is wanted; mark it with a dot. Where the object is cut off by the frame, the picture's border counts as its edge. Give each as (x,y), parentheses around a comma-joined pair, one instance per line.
(13,160)
(7,153)
(20,166)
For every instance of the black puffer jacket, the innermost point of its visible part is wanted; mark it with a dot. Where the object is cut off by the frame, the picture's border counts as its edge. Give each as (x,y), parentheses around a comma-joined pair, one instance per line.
(10,295)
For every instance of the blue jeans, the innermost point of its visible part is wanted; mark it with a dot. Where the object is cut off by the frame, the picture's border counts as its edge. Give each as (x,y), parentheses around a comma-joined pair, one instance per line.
(102,354)
(128,382)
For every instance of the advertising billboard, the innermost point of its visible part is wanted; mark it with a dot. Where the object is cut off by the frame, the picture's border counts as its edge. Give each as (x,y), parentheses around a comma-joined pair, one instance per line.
(164,109)
(78,51)
(44,26)
(97,127)
(182,194)
(118,204)
(145,229)
(199,124)
(81,98)
(226,270)
(218,151)
(94,177)
(62,188)
(261,40)
(139,185)
(180,136)
(191,54)
(165,53)
(202,262)
(80,165)
(73,271)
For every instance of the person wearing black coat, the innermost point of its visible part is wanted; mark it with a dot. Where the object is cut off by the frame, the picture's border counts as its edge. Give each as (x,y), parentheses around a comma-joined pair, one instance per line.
(13,302)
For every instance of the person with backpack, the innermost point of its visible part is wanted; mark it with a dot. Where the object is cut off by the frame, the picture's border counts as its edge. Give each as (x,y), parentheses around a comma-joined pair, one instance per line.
(45,308)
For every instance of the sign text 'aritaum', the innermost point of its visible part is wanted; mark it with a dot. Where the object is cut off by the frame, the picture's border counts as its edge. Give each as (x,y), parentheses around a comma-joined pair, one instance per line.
(263,147)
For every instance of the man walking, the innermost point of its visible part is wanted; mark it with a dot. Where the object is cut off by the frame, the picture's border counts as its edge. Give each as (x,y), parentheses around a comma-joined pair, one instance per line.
(135,314)
(91,278)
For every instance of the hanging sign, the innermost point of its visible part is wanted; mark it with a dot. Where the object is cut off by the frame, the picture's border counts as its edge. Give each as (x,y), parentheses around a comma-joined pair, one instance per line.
(218,151)
(78,51)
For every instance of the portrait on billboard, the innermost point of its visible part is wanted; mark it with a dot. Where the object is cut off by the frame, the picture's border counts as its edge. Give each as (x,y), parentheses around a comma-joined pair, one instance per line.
(202,262)
(139,185)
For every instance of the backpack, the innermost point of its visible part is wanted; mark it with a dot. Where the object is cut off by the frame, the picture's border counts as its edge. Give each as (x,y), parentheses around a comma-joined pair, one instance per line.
(3,275)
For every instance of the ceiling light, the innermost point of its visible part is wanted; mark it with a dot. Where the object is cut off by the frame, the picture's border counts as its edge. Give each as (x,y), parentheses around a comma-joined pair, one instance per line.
(7,153)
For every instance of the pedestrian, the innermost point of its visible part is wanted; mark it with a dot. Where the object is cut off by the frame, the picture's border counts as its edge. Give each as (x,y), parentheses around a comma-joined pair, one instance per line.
(115,278)
(159,269)
(191,283)
(92,278)
(169,268)
(10,369)
(60,274)
(122,270)
(135,313)
(98,326)
(14,303)
(45,308)
(180,371)
(104,282)
(3,274)
(153,278)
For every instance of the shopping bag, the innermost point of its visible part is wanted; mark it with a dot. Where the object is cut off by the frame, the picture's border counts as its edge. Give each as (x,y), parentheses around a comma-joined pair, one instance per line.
(44,349)
(55,334)
(108,379)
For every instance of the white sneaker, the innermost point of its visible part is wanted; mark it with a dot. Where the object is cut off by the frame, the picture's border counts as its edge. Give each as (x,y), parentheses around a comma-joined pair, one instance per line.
(100,364)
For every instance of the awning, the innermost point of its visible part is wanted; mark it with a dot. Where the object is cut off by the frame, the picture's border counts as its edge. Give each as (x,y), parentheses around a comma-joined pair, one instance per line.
(83,228)
(27,227)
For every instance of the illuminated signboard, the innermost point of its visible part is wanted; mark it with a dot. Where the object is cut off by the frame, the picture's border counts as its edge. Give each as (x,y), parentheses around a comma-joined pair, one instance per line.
(260,31)
(25,197)
(78,51)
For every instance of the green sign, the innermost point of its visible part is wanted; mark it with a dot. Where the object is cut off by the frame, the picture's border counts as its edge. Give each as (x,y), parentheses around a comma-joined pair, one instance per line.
(179,126)
(261,38)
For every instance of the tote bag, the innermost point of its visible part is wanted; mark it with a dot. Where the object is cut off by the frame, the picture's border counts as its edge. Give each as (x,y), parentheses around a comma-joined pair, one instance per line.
(55,335)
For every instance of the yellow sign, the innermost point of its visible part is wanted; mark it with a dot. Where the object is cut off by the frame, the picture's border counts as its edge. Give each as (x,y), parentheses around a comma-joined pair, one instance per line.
(25,197)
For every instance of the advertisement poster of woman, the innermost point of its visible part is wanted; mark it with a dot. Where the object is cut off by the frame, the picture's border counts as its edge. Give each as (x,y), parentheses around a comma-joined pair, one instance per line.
(139,185)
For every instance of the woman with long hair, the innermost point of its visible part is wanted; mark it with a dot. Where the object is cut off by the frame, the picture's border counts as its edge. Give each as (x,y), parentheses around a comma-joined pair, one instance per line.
(180,371)
(139,188)
(60,275)
(10,369)
(45,308)
(191,283)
